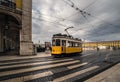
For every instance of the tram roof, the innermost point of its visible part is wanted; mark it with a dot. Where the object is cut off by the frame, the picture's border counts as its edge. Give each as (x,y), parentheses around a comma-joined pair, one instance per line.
(65,36)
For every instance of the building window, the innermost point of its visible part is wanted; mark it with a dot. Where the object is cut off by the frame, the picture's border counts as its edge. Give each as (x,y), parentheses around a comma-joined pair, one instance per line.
(8,3)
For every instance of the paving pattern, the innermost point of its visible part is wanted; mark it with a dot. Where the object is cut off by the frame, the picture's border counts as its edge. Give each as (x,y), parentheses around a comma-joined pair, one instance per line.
(110,75)
(45,68)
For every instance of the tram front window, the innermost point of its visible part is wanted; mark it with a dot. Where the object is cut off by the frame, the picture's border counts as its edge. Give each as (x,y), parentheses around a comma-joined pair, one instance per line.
(53,42)
(57,42)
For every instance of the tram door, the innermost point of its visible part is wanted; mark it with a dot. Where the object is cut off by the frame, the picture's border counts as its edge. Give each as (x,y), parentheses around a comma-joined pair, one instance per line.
(63,46)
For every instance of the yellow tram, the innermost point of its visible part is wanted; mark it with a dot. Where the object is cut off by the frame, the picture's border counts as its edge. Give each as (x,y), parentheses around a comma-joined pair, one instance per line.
(63,44)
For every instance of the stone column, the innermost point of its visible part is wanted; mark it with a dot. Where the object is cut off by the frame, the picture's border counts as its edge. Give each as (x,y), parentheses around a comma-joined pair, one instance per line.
(1,34)
(26,44)
(0,37)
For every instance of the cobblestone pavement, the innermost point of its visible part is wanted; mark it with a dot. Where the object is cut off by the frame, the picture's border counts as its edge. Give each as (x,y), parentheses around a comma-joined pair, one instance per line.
(43,67)
(110,75)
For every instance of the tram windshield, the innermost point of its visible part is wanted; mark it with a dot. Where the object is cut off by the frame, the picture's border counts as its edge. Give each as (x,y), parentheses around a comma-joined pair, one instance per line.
(56,42)
(53,42)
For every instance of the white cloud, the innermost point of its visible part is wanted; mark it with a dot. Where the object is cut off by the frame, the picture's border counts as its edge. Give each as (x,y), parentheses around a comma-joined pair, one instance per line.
(50,15)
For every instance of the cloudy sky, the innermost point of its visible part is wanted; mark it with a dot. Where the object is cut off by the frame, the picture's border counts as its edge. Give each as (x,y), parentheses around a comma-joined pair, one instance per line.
(53,16)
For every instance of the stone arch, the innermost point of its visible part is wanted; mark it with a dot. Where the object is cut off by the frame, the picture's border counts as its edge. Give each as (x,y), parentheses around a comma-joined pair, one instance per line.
(15,17)
(10,32)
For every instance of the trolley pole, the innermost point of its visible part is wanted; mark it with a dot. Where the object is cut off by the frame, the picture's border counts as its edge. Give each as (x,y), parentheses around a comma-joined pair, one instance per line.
(66,30)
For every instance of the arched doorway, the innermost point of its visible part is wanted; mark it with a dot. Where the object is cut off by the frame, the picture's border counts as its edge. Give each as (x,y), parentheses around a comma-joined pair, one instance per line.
(9,35)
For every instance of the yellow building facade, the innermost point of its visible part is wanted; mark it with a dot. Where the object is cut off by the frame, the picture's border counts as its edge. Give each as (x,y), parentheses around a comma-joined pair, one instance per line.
(18,4)
(115,43)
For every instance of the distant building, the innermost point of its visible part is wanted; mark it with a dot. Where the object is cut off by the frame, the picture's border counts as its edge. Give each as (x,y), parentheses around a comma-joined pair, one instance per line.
(40,47)
(48,45)
(102,44)
(15,27)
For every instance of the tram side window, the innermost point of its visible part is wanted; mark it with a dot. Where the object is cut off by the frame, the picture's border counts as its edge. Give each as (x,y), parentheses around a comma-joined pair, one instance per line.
(80,44)
(69,44)
(63,43)
(57,42)
(73,44)
(76,44)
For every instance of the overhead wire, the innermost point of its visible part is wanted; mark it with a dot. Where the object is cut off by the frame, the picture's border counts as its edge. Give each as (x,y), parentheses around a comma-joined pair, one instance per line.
(50,21)
(55,22)
(42,14)
(74,14)
(84,12)
(90,5)
(47,16)
(81,11)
